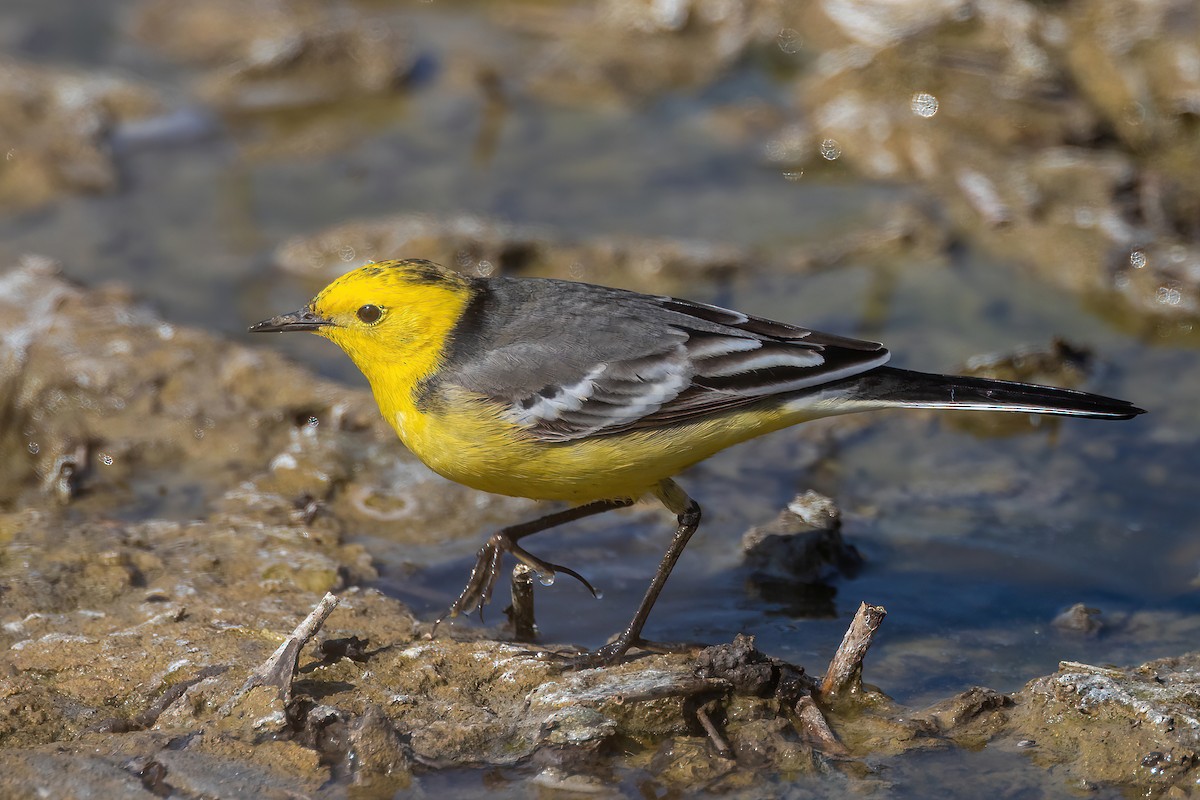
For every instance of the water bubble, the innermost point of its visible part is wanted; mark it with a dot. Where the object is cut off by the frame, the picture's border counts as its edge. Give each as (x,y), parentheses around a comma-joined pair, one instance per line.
(119,347)
(830,150)
(546,578)
(924,104)
(598,594)
(789,41)
(1137,259)
(313,422)
(198,433)
(1168,296)
(485,268)
(346,252)
(793,176)
(106,459)
(34,448)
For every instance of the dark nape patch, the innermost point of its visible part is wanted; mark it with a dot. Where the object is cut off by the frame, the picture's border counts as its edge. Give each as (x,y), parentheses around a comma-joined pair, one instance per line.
(465,338)
(427,272)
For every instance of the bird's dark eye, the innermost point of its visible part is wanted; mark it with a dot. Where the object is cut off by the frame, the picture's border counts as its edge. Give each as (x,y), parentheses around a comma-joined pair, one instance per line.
(369,314)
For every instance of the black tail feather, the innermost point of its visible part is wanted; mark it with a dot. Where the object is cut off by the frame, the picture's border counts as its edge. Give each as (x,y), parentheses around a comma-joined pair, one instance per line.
(900,387)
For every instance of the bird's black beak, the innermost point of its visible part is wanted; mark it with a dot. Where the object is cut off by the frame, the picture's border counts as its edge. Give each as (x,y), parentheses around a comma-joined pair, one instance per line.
(302,320)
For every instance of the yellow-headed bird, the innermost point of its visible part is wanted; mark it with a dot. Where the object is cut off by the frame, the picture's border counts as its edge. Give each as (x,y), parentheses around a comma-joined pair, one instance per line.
(555,390)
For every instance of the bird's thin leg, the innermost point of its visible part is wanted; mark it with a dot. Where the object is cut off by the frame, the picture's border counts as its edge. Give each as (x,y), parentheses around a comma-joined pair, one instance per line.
(688,513)
(478,590)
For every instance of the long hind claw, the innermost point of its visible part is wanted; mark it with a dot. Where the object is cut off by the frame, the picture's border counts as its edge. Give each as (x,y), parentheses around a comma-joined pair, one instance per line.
(553,568)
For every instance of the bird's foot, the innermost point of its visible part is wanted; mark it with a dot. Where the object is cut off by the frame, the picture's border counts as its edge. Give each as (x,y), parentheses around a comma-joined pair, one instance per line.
(619,648)
(478,591)
(607,655)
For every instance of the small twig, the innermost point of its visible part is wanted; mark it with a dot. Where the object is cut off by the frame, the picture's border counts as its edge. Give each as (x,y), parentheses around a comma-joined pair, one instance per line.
(723,748)
(844,675)
(280,669)
(639,691)
(520,613)
(816,731)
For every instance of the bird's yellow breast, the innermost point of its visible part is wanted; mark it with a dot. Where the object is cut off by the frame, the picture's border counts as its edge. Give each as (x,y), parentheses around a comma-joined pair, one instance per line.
(470,443)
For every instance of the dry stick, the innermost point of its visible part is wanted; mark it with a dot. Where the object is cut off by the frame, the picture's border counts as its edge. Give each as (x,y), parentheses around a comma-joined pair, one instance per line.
(723,748)
(816,731)
(521,611)
(844,675)
(280,668)
(679,685)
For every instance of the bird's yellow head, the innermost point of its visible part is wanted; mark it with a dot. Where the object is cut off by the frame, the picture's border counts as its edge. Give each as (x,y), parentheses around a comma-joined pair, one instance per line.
(392,318)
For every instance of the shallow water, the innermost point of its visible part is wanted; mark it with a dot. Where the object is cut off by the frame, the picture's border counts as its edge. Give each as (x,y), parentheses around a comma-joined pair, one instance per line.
(973,542)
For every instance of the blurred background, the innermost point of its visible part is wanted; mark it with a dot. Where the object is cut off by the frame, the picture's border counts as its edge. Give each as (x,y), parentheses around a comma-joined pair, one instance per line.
(997,186)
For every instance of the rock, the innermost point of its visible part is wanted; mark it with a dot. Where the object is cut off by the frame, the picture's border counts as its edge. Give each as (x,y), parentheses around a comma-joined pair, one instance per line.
(1136,727)
(1080,620)
(274,770)
(55,125)
(620,51)
(279,54)
(970,713)
(35,774)
(748,671)
(794,556)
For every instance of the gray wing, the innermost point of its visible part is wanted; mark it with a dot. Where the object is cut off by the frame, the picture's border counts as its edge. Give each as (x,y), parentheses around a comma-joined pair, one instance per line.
(567,360)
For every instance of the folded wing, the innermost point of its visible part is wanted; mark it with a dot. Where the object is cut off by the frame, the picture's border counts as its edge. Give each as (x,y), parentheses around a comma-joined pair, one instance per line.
(567,361)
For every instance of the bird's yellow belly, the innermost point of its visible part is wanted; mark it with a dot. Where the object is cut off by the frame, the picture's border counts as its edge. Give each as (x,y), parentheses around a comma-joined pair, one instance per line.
(493,456)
